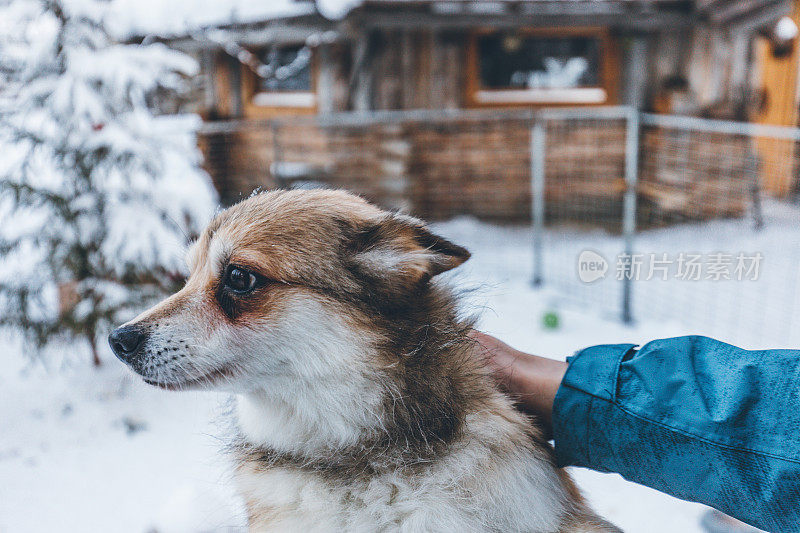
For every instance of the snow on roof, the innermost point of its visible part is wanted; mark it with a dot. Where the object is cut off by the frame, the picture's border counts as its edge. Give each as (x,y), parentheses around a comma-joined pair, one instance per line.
(176,17)
(170,18)
(337,9)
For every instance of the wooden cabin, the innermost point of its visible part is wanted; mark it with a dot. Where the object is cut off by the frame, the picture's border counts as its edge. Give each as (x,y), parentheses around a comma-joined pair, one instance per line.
(489,64)
(412,54)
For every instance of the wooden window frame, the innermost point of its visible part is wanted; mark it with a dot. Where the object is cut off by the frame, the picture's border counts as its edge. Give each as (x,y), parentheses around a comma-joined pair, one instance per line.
(250,93)
(604,94)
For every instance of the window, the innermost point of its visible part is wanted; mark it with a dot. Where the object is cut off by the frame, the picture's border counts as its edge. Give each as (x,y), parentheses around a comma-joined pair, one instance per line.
(285,78)
(540,67)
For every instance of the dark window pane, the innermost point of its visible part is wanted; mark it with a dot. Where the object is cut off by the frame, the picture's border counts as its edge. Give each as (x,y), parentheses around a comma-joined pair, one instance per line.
(289,69)
(525,62)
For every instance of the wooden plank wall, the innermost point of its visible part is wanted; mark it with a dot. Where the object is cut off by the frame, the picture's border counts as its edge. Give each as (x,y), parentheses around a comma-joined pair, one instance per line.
(418,69)
(687,175)
(436,170)
(441,169)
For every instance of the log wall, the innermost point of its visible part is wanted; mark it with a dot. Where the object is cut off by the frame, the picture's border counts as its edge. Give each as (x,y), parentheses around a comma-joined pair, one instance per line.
(418,69)
(435,170)
(440,169)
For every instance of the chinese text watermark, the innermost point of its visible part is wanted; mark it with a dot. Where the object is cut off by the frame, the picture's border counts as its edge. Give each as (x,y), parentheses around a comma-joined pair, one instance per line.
(683,266)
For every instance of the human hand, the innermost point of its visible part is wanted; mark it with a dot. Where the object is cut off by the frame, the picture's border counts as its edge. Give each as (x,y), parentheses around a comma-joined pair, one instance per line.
(533,381)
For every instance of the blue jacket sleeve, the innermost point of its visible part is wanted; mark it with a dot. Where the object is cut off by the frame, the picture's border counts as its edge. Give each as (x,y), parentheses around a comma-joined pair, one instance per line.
(693,417)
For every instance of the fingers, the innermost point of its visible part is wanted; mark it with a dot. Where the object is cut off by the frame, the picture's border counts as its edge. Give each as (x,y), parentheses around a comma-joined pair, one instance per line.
(499,356)
(531,380)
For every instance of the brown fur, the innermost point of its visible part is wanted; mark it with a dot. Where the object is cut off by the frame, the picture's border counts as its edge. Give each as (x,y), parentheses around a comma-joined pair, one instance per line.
(331,247)
(424,342)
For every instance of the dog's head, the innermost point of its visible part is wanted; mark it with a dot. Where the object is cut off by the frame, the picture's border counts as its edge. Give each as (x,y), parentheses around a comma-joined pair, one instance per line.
(284,285)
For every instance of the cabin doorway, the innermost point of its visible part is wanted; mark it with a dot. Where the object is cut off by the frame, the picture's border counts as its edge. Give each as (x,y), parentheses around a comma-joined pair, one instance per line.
(777,65)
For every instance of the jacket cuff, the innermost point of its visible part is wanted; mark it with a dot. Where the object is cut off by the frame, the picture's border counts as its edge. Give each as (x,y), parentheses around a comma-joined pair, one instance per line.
(594,370)
(584,399)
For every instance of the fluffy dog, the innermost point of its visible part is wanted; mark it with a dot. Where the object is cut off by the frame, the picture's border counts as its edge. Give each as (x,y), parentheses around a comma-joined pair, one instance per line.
(359,403)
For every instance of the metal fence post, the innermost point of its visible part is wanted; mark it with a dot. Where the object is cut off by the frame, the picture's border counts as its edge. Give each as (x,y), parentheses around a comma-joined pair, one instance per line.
(276,142)
(629,208)
(537,198)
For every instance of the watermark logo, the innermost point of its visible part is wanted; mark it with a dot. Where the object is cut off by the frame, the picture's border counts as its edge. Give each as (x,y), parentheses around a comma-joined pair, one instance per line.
(591,266)
(683,266)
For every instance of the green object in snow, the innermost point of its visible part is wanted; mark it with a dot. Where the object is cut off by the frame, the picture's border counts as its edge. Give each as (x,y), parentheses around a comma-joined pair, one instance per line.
(550,320)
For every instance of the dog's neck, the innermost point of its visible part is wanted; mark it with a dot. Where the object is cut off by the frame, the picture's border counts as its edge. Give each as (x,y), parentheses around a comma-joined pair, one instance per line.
(414,401)
(310,419)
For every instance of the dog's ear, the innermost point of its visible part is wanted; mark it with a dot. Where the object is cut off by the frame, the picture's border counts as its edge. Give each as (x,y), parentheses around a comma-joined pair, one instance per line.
(401,252)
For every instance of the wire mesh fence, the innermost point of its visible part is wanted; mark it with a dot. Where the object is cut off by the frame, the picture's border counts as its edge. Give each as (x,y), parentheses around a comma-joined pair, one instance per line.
(709,235)
(718,199)
(579,204)
(635,216)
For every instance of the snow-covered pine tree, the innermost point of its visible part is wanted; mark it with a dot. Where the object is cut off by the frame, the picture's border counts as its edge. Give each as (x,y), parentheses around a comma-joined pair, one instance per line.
(98,194)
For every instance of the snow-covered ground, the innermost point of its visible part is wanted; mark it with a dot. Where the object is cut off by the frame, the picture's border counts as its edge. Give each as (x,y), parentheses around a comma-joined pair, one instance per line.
(759,310)
(87,451)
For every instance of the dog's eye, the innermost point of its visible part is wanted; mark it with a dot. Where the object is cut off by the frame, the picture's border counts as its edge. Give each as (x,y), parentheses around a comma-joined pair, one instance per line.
(240,280)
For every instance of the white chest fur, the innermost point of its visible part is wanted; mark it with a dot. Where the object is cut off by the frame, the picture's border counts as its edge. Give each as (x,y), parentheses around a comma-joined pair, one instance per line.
(491,480)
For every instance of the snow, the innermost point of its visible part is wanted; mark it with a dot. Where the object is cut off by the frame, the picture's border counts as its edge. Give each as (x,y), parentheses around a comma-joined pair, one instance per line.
(751,313)
(96,451)
(108,453)
(337,9)
(105,190)
(177,17)
(125,19)
(179,191)
(128,18)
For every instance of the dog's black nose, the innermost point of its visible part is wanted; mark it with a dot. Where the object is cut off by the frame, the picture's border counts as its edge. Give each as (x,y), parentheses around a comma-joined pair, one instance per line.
(126,341)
